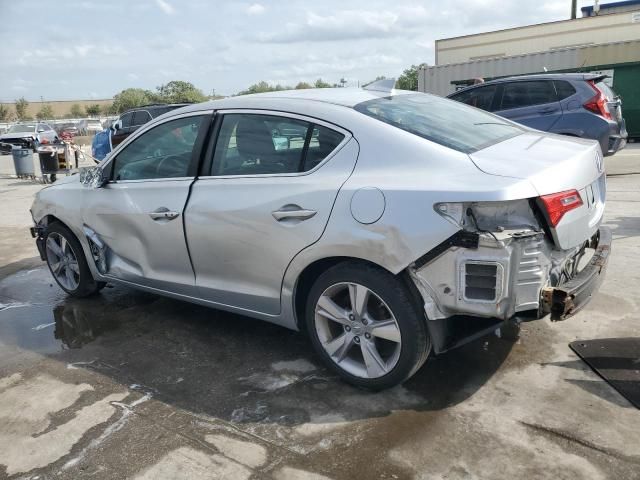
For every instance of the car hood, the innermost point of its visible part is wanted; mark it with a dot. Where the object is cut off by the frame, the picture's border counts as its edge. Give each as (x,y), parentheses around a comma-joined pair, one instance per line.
(552,163)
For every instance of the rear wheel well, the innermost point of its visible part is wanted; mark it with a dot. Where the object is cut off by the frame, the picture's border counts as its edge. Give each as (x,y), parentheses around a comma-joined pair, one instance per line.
(309,275)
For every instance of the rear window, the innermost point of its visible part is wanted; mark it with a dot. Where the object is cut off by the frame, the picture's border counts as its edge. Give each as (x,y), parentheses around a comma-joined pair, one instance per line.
(440,120)
(564,89)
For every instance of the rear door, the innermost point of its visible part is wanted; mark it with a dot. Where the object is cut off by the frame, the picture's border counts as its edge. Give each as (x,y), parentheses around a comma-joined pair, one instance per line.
(266,195)
(138,215)
(533,103)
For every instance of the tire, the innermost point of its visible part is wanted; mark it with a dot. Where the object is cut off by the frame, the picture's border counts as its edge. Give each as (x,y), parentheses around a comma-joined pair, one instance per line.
(402,348)
(76,281)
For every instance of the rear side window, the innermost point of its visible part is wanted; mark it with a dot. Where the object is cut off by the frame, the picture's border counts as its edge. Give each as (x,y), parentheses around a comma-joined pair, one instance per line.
(564,89)
(480,97)
(527,94)
(250,144)
(440,120)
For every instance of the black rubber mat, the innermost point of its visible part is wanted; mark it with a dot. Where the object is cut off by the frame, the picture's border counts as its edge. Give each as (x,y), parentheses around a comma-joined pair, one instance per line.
(616,360)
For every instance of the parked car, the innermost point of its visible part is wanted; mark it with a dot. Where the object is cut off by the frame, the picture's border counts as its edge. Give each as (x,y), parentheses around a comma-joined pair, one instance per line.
(402,226)
(574,104)
(27,135)
(133,119)
(89,126)
(67,129)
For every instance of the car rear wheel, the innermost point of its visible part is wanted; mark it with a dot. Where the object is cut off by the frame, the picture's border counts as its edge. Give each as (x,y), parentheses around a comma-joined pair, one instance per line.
(67,263)
(366,325)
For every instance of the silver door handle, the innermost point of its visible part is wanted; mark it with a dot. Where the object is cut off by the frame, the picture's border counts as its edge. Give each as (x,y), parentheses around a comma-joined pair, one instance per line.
(163,213)
(299,214)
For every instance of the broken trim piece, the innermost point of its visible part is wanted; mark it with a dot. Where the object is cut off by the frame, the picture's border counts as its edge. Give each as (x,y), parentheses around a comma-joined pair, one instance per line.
(461,238)
(569,298)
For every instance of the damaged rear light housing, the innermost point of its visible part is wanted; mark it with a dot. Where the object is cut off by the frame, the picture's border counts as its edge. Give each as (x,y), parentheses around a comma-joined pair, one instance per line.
(557,204)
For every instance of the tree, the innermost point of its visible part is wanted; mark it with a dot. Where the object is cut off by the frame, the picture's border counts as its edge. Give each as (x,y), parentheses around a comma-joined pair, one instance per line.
(178,91)
(76,111)
(303,85)
(321,84)
(21,108)
(132,98)
(262,87)
(4,113)
(409,78)
(93,110)
(45,112)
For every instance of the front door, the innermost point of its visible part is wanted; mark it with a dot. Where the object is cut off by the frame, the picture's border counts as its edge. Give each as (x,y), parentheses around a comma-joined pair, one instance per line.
(138,214)
(268,195)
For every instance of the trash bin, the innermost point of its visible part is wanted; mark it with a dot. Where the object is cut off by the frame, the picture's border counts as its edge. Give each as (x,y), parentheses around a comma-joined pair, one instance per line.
(23,162)
(49,156)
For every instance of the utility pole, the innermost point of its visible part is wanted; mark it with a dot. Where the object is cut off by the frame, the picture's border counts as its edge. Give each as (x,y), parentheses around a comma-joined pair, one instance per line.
(574,9)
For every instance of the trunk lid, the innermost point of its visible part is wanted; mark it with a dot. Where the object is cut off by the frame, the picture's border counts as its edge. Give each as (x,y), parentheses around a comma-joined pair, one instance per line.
(553,164)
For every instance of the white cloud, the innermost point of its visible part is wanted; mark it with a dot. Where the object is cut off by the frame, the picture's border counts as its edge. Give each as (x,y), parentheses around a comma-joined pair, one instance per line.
(255,9)
(133,76)
(165,7)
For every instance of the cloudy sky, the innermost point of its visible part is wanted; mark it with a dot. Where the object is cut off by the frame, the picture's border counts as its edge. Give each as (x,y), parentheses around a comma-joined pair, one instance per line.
(73,49)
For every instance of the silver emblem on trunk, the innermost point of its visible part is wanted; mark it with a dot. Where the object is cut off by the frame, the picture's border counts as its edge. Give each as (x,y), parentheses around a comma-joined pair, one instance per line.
(599,163)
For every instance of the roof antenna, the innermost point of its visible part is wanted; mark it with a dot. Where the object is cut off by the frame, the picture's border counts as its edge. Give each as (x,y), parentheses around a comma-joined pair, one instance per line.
(385,85)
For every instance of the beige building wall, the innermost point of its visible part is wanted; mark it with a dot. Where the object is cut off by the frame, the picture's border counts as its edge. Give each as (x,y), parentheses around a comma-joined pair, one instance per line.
(537,38)
(60,108)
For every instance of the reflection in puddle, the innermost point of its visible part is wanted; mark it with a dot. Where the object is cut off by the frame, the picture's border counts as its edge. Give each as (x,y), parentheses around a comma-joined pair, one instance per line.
(41,329)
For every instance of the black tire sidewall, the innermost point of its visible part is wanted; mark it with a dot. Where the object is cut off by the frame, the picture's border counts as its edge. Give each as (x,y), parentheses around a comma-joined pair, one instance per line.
(87,285)
(415,339)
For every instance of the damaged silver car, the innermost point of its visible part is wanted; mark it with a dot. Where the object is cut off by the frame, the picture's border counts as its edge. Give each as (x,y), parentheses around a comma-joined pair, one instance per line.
(389,225)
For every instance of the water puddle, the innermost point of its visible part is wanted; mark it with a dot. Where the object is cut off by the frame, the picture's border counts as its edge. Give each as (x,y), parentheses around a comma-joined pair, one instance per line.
(47,329)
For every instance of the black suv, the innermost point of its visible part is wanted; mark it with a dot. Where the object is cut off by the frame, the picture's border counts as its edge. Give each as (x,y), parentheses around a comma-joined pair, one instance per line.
(575,104)
(131,120)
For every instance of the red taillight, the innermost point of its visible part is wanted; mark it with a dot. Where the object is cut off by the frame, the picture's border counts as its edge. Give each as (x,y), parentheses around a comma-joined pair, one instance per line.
(598,103)
(557,204)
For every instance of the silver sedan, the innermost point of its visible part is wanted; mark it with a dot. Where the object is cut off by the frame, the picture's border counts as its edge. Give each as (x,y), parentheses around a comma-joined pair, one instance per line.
(389,225)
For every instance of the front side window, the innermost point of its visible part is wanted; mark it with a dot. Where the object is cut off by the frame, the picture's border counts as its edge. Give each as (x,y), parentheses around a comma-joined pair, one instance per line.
(527,94)
(125,120)
(480,97)
(250,144)
(441,120)
(164,151)
(141,117)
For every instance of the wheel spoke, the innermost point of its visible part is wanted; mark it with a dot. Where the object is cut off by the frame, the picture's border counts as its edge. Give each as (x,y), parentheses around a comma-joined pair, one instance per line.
(56,267)
(339,346)
(63,245)
(71,281)
(329,309)
(54,248)
(374,364)
(359,296)
(387,329)
(73,265)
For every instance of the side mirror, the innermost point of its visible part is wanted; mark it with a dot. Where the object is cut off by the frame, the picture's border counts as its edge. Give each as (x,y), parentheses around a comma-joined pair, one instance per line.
(93,177)
(117,125)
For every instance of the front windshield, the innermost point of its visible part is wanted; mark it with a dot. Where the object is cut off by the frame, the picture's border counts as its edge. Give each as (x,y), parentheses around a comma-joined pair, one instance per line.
(440,120)
(23,128)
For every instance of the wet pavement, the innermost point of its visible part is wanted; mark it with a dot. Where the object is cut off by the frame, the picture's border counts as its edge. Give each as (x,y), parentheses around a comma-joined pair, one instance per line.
(131,385)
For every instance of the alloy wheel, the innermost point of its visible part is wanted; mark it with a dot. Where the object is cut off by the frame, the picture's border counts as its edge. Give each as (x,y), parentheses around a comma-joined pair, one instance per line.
(357,330)
(62,261)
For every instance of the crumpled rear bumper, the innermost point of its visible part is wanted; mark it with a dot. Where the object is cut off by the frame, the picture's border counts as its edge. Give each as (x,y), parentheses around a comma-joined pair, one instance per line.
(567,299)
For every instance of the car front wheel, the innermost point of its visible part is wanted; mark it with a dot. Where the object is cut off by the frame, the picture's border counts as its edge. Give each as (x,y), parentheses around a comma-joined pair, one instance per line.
(366,325)
(67,263)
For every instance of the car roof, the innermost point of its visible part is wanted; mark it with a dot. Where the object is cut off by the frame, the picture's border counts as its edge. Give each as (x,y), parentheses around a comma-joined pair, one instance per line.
(535,76)
(346,97)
